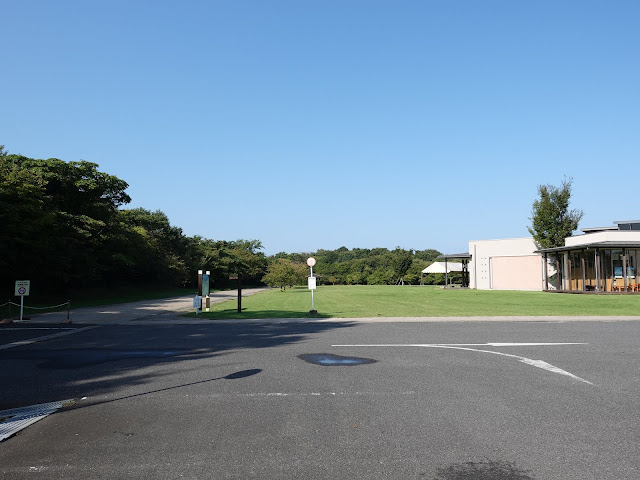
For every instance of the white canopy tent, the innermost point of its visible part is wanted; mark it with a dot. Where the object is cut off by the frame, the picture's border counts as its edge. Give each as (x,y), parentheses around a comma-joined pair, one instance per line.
(443,267)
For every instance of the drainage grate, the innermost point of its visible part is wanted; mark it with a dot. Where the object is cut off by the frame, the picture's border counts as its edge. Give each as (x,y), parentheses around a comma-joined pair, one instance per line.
(15,419)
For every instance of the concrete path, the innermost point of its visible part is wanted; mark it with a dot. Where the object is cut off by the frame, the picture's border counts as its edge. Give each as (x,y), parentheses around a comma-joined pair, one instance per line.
(167,308)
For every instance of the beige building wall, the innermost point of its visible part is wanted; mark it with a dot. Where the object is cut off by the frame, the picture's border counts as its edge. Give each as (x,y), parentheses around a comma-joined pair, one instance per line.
(517,273)
(505,264)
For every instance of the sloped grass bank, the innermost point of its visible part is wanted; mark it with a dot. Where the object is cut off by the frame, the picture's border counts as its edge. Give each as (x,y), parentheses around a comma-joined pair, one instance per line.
(415,301)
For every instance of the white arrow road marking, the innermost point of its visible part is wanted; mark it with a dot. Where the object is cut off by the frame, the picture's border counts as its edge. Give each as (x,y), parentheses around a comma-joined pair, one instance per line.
(464,346)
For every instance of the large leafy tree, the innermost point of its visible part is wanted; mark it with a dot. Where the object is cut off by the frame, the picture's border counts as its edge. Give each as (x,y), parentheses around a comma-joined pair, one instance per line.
(62,226)
(551,219)
(401,261)
(54,216)
(283,272)
(246,259)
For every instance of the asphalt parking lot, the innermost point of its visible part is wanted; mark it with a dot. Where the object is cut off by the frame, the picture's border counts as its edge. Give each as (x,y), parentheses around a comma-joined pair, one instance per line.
(340,399)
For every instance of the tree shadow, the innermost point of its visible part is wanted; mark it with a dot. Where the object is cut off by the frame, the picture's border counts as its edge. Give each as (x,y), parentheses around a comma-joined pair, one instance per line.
(106,360)
(231,376)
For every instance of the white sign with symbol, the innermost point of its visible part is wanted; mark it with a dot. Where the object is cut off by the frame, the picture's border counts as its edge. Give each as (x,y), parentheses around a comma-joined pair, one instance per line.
(22,288)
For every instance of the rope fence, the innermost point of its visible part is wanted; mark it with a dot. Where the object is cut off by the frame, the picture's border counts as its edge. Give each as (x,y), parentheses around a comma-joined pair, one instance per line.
(25,307)
(40,308)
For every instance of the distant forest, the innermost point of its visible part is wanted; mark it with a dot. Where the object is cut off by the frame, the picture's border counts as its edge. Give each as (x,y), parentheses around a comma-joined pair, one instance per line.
(362,266)
(64,226)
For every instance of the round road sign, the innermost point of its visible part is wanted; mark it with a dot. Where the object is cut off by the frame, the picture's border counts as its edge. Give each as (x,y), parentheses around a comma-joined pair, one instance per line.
(311,261)
(22,290)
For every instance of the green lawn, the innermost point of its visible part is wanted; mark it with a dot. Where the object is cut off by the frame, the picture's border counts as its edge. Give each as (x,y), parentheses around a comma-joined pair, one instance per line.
(415,301)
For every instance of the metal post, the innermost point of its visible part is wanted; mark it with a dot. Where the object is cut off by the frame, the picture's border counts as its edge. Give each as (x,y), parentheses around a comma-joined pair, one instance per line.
(596,263)
(546,272)
(312,305)
(21,306)
(239,295)
(68,311)
(208,290)
(624,269)
(446,276)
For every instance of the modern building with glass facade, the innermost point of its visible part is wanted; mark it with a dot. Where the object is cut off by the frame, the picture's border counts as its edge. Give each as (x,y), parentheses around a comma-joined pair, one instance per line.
(602,259)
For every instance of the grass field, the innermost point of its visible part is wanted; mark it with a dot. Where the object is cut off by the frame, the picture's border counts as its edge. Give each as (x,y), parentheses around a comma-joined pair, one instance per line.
(416,301)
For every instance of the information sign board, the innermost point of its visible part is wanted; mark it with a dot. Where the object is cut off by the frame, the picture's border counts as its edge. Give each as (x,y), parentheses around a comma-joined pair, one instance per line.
(22,288)
(205,284)
(312,283)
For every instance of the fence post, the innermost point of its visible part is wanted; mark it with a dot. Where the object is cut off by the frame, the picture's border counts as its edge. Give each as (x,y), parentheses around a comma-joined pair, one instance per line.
(68,320)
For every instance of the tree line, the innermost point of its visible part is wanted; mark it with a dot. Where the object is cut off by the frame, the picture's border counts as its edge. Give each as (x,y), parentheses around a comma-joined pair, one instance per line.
(65,228)
(358,266)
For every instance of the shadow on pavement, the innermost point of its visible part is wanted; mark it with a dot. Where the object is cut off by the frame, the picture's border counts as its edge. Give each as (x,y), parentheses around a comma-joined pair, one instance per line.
(109,359)
(231,376)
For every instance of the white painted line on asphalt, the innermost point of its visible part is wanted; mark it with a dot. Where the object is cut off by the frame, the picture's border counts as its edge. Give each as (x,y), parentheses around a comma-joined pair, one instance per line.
(303,394)
(534,363)
(4,329)
(45,337)
(460,344)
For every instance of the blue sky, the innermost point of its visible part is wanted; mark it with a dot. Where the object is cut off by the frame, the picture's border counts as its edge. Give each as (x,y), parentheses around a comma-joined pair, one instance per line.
(317,124)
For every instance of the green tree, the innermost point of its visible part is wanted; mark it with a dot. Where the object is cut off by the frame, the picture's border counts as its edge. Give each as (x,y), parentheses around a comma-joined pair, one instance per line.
(381,276)
(551,219)
(428,255)
(246,260)
(401,261)
(280,273)
(414,273)
(356,278)
(54,217)
(151,247)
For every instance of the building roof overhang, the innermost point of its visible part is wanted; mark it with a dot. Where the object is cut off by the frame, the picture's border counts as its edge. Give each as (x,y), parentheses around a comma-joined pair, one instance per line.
(593,245)
(452,256)
(598,229)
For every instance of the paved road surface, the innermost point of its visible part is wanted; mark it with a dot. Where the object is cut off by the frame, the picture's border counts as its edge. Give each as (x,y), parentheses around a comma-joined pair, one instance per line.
(439,401)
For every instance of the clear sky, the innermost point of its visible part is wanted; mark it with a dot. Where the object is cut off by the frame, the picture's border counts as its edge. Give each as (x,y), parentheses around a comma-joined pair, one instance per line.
(317,124)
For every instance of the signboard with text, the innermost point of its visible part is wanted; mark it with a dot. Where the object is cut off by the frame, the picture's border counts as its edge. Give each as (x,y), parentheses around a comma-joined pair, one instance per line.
(312,283)
(205,284)
(22,288)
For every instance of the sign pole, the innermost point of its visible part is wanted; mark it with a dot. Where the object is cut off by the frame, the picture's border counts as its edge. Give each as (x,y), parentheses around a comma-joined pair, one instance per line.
(206,290)
(312,285)
(22,290)
(197,300)
(312,305)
